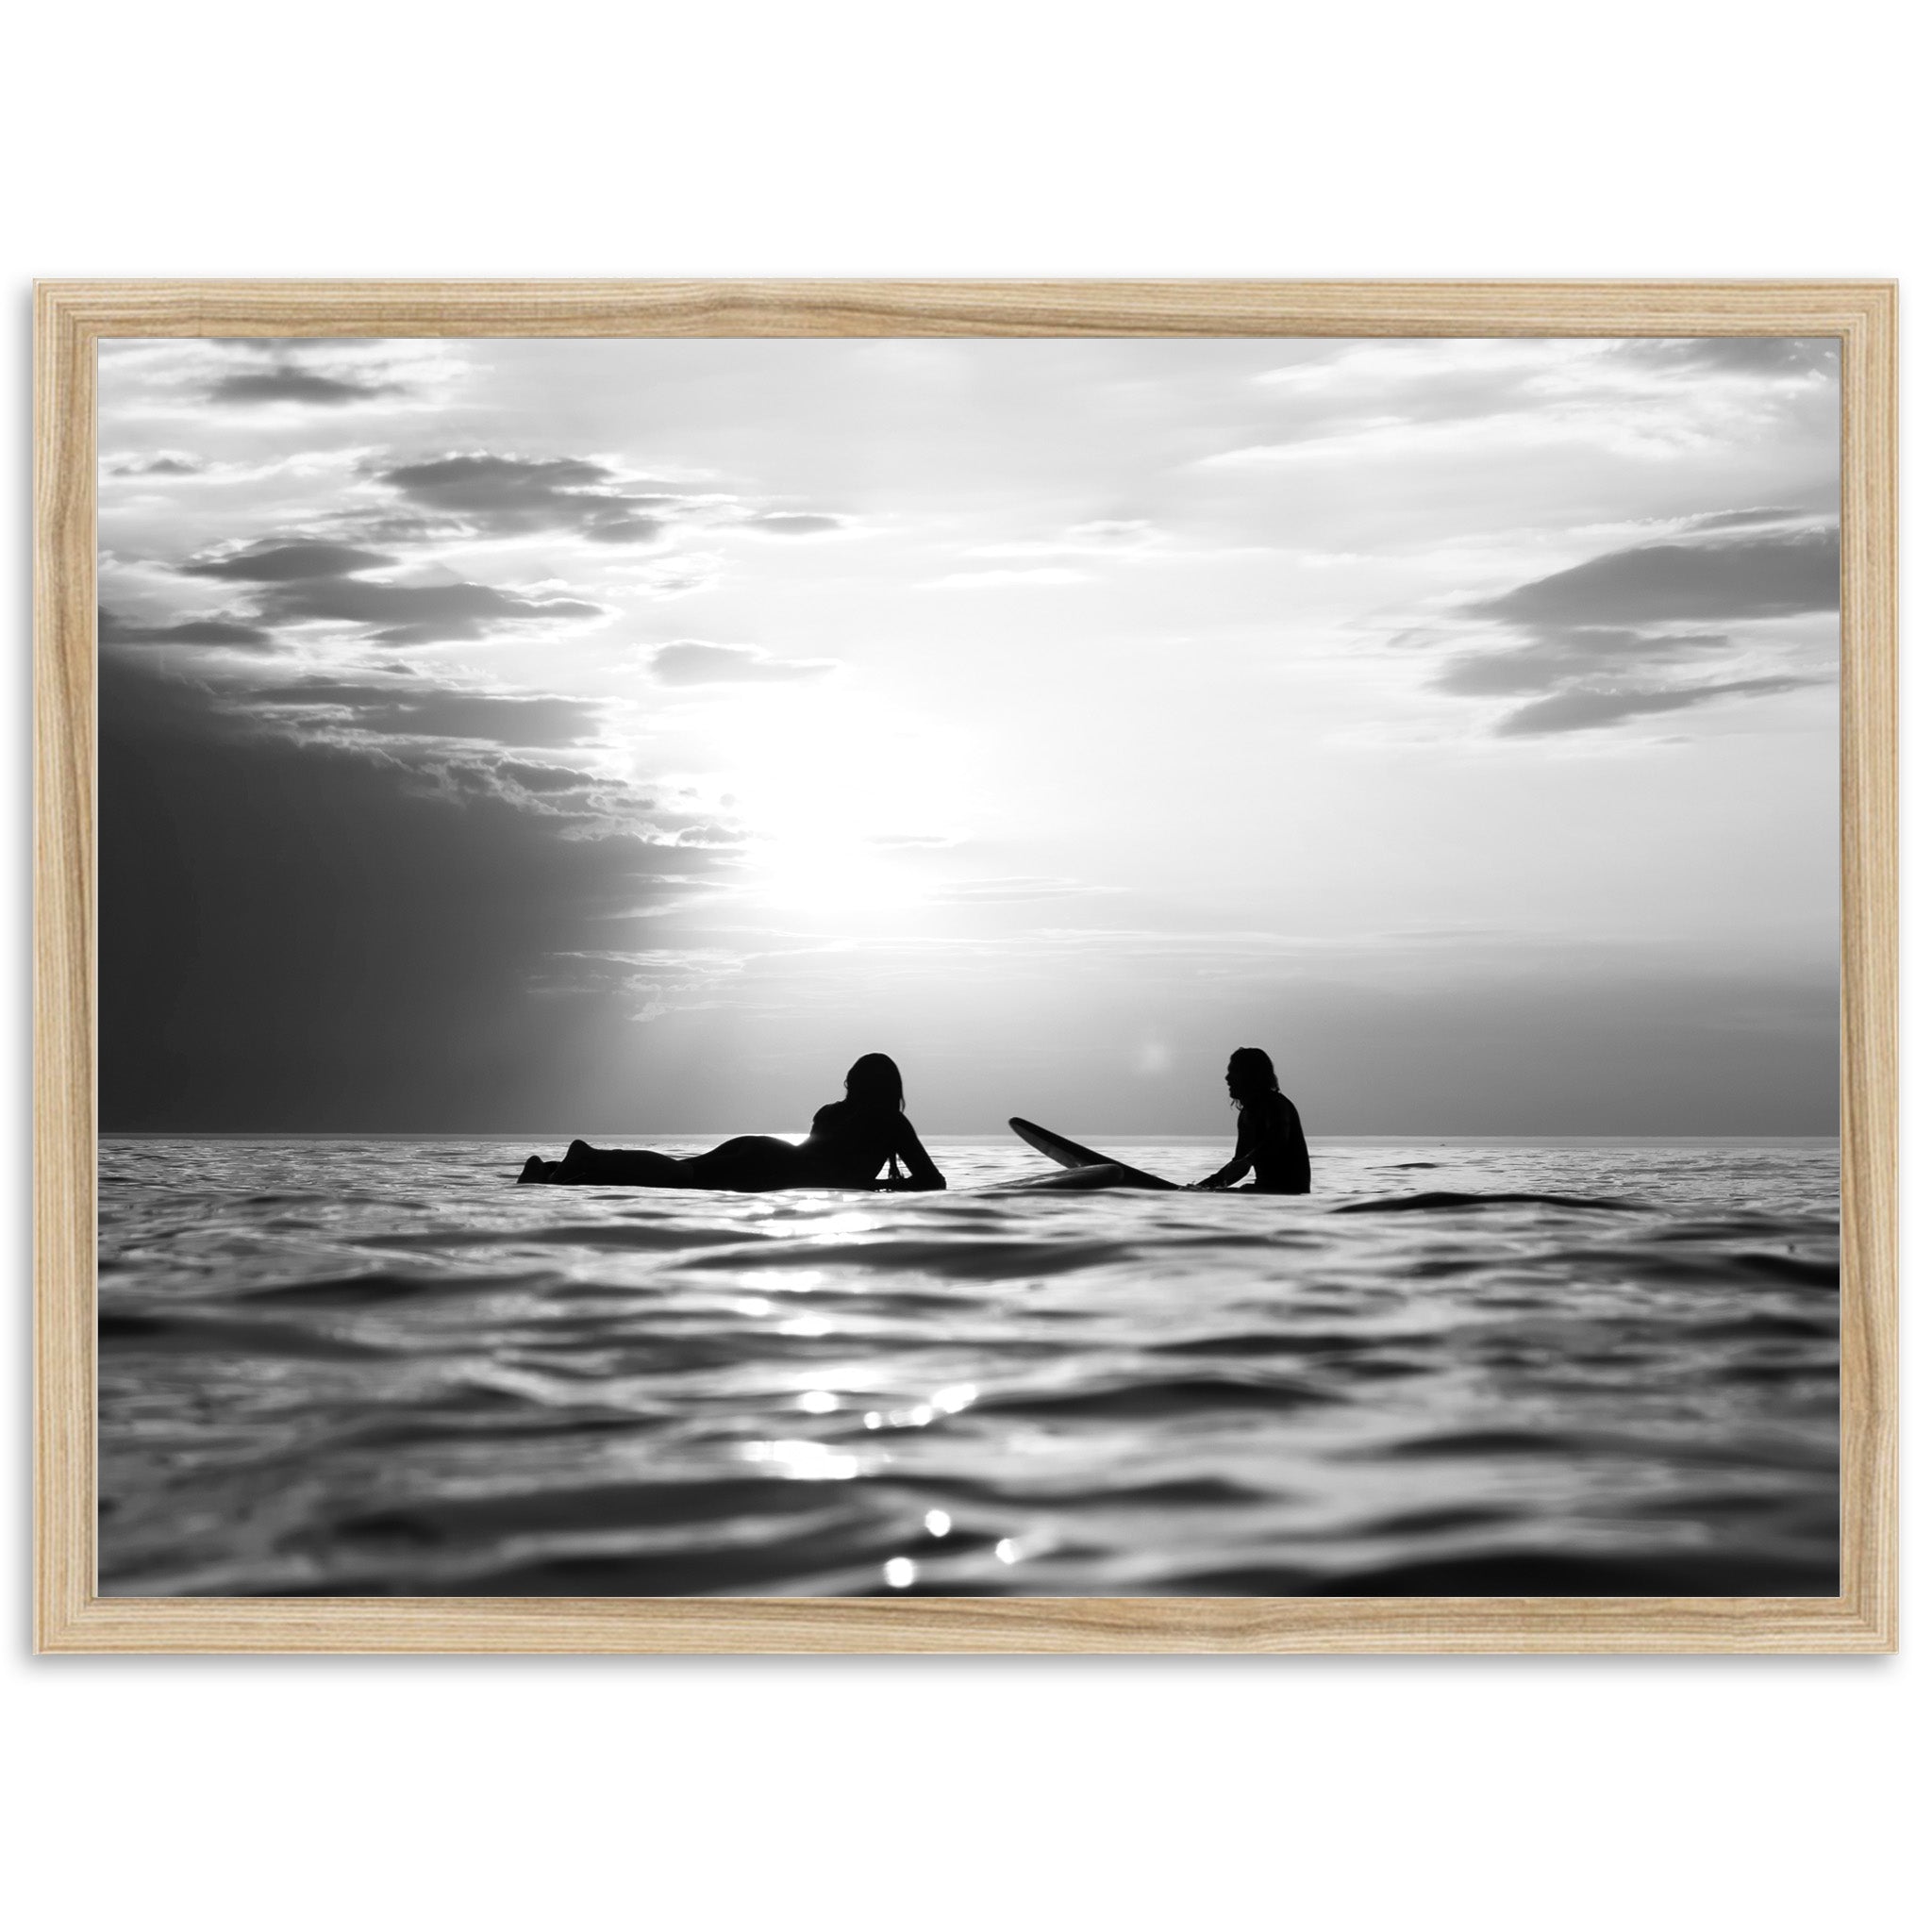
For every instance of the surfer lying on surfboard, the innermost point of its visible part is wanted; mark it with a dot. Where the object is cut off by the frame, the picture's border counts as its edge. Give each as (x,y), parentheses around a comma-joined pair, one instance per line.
(1268,1133)
(850,1141)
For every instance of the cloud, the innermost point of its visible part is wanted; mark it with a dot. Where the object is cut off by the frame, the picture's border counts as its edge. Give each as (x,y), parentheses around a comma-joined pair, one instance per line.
(676,574)
(282,347)
(514,495)
(1473,402)
(1110,532)
(168,464)
(794,524)
(1739,519)
(1735,355)
(545,778)
(275,563)
(1590,711)
(415,613)
(113,630)
(689,661)
(652,983)
(306,582)
(1560,658)
(466,743)
(287,384)
(1612,639)
(525,722)
(481,493)
(1661,583)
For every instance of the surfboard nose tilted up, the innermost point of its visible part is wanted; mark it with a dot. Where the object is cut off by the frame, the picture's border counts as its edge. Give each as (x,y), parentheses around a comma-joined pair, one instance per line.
(1086,1168)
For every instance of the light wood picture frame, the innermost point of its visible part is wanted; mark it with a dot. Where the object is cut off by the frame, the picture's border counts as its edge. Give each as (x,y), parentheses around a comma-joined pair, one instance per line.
(73,316)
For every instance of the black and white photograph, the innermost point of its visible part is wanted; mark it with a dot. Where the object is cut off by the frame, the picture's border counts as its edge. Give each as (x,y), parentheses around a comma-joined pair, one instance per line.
(676,915)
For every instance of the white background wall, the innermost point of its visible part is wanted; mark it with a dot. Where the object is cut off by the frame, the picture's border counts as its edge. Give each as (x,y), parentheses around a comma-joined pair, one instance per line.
(1481,140)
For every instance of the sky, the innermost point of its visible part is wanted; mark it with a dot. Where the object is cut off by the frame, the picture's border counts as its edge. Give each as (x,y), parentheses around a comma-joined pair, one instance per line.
(618,737)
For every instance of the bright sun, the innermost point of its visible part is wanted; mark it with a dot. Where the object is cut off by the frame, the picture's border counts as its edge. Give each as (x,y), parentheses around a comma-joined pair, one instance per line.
(826,873)
(842,799)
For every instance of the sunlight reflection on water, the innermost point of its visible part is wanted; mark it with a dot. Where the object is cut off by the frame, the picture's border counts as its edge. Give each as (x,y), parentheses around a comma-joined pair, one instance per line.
(374,1367)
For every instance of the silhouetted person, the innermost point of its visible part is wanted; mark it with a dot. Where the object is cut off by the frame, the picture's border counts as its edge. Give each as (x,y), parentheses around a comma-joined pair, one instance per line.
(850,1141)
(1268,1134)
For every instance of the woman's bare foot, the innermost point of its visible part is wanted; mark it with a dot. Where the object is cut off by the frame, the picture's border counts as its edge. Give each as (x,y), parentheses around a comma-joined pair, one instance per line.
(537,1169)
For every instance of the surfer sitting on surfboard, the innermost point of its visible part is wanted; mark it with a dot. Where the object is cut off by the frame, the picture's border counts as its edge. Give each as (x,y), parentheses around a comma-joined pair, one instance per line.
(1267,1135)
(850,1140)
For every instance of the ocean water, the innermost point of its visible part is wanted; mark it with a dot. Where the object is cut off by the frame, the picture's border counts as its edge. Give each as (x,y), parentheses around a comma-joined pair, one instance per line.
(379,1366)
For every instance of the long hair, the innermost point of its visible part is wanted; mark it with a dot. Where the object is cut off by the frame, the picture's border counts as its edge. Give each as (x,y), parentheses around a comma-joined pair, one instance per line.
(1251,1074)
(874,1081)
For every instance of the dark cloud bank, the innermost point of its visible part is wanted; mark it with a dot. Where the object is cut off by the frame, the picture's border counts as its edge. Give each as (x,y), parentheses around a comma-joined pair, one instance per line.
(302,936)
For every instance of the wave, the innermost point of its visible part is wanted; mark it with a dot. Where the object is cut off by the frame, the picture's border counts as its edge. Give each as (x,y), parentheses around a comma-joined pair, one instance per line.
(1199,1395)
(1532,1572)
(979,1260)
(1438,1203)
(214,1336)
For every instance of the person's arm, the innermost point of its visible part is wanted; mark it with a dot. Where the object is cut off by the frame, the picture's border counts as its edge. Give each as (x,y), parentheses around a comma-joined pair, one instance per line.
(921,1176)
(1243,1157)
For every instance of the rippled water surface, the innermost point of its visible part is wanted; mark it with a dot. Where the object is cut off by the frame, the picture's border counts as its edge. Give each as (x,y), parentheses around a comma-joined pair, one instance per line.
(374,1366)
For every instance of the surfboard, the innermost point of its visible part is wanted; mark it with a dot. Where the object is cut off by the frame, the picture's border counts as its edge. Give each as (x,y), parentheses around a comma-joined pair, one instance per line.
(1070,1154)
(1082,1170)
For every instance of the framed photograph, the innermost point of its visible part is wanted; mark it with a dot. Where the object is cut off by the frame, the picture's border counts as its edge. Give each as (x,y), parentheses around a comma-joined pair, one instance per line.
(868,966)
